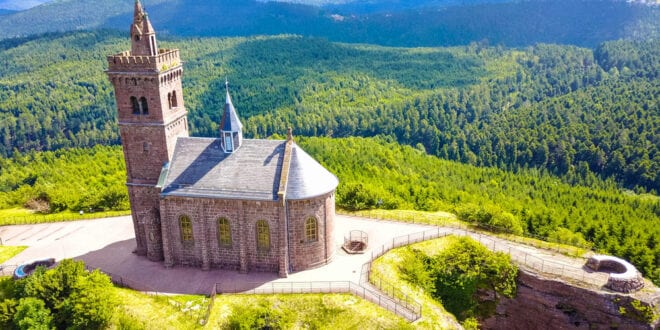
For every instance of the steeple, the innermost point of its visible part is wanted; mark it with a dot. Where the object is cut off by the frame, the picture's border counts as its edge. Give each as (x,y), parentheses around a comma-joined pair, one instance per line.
(143,36)
(231,129)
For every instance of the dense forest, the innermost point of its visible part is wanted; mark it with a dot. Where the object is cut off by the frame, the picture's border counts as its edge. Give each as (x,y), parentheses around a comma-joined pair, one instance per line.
(390,23)
(378,172)
(576,112)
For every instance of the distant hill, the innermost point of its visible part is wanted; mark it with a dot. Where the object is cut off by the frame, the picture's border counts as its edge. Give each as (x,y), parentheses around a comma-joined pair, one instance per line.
(20,4)
(582,23)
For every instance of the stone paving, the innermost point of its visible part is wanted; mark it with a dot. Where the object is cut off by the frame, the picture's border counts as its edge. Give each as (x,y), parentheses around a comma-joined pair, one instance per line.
(108,244)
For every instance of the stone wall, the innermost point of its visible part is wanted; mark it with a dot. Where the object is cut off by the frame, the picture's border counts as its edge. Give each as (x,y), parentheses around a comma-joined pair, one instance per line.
(309,254)
(543,303)
(205,250)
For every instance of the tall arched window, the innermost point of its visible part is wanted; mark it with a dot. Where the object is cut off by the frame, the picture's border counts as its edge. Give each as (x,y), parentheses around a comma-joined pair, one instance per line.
(311,230)
(224,232)
(135,105)
(186,229)
(169,100)
(175,100)
(263,235)
(144,106)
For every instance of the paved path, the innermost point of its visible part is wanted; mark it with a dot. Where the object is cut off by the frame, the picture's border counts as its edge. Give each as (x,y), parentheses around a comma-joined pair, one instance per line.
(108,244)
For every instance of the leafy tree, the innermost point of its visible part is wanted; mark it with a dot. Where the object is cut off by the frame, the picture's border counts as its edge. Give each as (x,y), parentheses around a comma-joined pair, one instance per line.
(465,267)
(32,314)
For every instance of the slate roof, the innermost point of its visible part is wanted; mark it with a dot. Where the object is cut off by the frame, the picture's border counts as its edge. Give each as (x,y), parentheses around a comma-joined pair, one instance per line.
(308,178)
(230,121)
(200,168)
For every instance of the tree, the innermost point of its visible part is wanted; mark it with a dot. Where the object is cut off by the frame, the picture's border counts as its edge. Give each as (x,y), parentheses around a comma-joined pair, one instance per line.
(32,314)
(466,267)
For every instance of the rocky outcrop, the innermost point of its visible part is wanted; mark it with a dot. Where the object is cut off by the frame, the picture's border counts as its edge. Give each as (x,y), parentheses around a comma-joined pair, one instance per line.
(545,303)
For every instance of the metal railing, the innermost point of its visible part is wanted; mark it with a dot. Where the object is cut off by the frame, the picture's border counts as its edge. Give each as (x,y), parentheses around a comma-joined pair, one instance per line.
(531,262)
(361,291)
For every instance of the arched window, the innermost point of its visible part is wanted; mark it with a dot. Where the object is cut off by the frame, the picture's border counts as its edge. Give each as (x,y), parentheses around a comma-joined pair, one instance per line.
(175,101)
(224,232)
(135,105)
(144,106)
(311,230)
(186,229)
(263,235)
(169,100)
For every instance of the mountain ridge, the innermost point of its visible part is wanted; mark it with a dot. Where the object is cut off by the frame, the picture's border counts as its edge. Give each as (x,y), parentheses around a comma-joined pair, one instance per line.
(581,23)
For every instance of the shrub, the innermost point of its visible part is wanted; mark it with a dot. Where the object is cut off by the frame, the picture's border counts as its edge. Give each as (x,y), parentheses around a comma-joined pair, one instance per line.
(32,314)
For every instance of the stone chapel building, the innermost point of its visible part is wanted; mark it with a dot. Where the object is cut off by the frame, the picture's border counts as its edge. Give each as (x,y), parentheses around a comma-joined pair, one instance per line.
(225,202)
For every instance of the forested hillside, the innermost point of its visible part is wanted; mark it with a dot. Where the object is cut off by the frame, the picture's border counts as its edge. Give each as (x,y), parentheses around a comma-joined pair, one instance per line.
(390,23)
(573,111)
(379,173)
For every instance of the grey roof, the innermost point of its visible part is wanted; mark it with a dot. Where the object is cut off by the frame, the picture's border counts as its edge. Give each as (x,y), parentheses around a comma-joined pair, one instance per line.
(308,178)
(230,121)
(200,168)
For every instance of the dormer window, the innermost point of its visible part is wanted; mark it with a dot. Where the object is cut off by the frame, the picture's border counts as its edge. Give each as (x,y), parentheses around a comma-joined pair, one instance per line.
(229,146)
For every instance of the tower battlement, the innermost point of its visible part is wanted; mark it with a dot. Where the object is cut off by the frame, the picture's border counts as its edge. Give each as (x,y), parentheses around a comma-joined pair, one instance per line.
(125,62)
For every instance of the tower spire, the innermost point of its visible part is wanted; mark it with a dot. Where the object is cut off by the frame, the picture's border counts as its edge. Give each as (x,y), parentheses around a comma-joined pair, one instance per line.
(231,128)
(143,36)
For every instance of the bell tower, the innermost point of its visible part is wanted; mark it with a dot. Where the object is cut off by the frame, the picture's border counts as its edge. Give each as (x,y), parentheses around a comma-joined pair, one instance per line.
(151,116)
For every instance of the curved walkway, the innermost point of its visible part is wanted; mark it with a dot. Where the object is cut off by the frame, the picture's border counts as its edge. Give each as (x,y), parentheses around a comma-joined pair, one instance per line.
(108,244)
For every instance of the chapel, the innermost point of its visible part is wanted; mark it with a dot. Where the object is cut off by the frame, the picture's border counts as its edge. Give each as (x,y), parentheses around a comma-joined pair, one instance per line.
(222,202)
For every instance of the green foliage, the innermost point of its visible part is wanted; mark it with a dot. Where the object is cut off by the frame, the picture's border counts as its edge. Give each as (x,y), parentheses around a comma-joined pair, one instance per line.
(262,316)
(75,179)
(575,112)
(490,217)
(614,221)
(458,272)
(415,269)
(396,23)
(76,298)
(32,314)
(566,236)
(7,312)
(91,304)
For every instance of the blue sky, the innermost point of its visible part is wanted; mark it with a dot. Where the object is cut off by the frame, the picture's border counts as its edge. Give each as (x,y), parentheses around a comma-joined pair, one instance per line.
(20,4)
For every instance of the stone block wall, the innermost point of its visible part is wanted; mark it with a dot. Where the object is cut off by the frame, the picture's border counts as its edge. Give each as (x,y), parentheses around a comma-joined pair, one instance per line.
(309,254)
(206,251)
(145,203)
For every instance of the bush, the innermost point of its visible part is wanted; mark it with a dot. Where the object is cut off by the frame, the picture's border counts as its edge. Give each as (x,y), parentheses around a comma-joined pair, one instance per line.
(32,314)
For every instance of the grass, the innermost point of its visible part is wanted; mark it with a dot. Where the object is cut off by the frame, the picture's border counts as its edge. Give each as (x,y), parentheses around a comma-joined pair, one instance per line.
(19,216)
(434,316)
(310,311)
(433,218)
(8,252)
(143,311)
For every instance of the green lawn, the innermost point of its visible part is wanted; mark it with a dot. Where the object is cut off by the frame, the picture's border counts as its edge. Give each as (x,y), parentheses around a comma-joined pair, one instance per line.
(8,252)
(302,311)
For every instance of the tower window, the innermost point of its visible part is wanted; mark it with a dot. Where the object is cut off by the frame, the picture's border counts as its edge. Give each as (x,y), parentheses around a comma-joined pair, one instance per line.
(175,101)
(263,235)
(137,37)
(145,146)
(224,232)
(135,105)
(169,100)
(186,229)
(311,230)
(143,105)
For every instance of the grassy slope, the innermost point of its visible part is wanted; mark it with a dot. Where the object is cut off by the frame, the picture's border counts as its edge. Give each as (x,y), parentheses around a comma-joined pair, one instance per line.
(434,315)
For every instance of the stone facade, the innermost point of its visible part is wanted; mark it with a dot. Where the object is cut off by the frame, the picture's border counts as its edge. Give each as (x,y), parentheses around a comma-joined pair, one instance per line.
(179,223)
